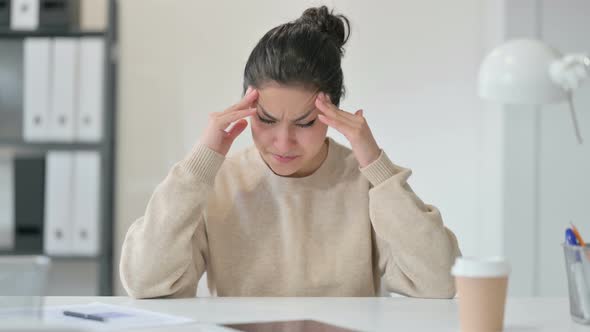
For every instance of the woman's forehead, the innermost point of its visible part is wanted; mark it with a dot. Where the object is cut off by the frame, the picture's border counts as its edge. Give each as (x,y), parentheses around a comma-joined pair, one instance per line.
(292,101)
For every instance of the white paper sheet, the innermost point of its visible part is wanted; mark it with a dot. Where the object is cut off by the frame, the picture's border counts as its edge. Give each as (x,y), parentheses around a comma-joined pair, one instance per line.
(121,317)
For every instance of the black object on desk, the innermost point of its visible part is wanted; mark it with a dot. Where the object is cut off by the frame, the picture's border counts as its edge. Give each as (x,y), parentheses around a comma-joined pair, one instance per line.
(84,316)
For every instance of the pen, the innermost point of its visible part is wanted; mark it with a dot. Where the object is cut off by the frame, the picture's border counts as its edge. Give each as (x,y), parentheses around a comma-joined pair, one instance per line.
(578,236)
(84,316)
(570,237)
(580,241)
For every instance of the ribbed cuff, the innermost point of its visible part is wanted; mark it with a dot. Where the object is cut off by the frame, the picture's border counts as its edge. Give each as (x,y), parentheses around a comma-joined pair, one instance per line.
(380,170)
(203,162)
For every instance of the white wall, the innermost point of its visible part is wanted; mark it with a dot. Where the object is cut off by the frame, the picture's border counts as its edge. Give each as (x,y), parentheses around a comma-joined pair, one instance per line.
(411,65)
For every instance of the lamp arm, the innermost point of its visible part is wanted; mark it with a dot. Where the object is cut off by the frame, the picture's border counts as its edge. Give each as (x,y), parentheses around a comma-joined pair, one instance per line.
(570,101)
(569,73)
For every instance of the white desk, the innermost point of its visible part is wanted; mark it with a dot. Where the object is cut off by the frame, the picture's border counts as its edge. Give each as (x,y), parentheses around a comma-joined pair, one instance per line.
(365,314)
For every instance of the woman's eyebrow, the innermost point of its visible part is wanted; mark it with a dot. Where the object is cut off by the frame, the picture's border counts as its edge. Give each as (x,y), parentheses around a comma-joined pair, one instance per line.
(275,119)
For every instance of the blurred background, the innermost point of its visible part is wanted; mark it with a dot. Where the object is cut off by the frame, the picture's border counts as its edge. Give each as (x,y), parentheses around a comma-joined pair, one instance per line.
(99,98)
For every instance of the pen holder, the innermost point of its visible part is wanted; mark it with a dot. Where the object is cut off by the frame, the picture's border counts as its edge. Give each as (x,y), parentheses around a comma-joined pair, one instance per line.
(577,266)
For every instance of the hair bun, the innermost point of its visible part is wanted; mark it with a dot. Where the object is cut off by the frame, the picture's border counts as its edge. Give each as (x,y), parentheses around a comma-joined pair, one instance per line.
(336,26)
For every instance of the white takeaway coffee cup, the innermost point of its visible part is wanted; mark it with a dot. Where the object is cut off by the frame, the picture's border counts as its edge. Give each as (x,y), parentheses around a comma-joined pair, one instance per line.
(482,285)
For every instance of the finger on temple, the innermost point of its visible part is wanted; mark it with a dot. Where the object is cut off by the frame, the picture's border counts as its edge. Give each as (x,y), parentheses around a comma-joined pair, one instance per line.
(246,101)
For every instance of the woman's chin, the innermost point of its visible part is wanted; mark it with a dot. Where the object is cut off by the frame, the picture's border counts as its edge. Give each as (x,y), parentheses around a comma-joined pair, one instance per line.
(283,170)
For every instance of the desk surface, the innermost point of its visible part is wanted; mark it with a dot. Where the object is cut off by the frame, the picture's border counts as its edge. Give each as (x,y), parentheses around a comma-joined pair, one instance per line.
(365,314)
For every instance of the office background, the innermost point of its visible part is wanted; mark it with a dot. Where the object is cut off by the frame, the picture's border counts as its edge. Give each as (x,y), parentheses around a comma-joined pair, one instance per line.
(56,139)
(507,179)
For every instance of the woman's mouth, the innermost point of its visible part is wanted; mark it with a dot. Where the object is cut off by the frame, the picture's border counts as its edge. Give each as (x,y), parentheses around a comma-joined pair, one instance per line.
(284,159)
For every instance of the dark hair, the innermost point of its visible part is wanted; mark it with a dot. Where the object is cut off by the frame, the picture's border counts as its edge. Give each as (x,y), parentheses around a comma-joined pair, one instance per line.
(304,52)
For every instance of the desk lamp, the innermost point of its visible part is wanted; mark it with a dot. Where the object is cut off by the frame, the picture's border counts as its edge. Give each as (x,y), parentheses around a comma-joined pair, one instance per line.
(527,71)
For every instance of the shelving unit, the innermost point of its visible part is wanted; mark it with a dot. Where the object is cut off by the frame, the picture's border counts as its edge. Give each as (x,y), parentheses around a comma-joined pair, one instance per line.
(12,143)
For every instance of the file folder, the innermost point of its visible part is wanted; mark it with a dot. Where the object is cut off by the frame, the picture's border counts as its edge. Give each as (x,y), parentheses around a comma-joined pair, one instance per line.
(4,13)
(58,14)
(11,88)
(64,89)
(29,195)
(85,203)
(24,14)
(90,103)
(37,64)
(6,204)
(58,197)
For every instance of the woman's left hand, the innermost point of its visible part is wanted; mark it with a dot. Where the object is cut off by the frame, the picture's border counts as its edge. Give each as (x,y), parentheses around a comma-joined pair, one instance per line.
(353,126)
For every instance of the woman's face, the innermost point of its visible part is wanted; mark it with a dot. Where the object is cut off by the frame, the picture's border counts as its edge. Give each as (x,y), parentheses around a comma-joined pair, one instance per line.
(286,131)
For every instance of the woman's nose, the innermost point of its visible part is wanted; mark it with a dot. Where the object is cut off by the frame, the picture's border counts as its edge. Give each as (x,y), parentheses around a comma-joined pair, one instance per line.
(285,140)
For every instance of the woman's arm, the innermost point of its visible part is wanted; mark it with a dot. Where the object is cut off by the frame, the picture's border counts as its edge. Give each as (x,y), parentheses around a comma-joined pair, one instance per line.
(414,251)
(165,251)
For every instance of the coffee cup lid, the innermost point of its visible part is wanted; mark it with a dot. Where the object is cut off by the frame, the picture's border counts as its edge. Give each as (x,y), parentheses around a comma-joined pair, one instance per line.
(481,267)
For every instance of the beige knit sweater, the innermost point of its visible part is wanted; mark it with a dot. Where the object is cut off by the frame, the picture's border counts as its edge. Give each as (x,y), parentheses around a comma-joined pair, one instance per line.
(336,232)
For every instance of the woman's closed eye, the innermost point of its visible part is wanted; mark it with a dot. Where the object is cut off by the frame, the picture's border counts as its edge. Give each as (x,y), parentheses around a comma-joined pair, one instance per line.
(306,125)
(265,120)
(302,125)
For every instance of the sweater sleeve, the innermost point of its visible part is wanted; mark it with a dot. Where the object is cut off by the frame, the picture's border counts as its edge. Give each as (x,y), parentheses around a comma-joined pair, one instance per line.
(414,251)
(165,251)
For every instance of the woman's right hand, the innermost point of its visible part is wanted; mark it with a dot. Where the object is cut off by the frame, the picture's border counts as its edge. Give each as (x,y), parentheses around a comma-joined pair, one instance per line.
(216,137)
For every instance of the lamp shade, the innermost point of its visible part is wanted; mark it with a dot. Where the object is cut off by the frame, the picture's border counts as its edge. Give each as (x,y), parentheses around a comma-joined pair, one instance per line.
(517,72)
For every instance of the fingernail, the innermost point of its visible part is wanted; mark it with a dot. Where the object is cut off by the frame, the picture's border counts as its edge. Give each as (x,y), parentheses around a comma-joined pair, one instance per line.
(249,90)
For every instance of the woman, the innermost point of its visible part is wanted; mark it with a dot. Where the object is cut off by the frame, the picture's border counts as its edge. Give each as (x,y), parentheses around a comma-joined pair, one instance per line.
(298,214)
